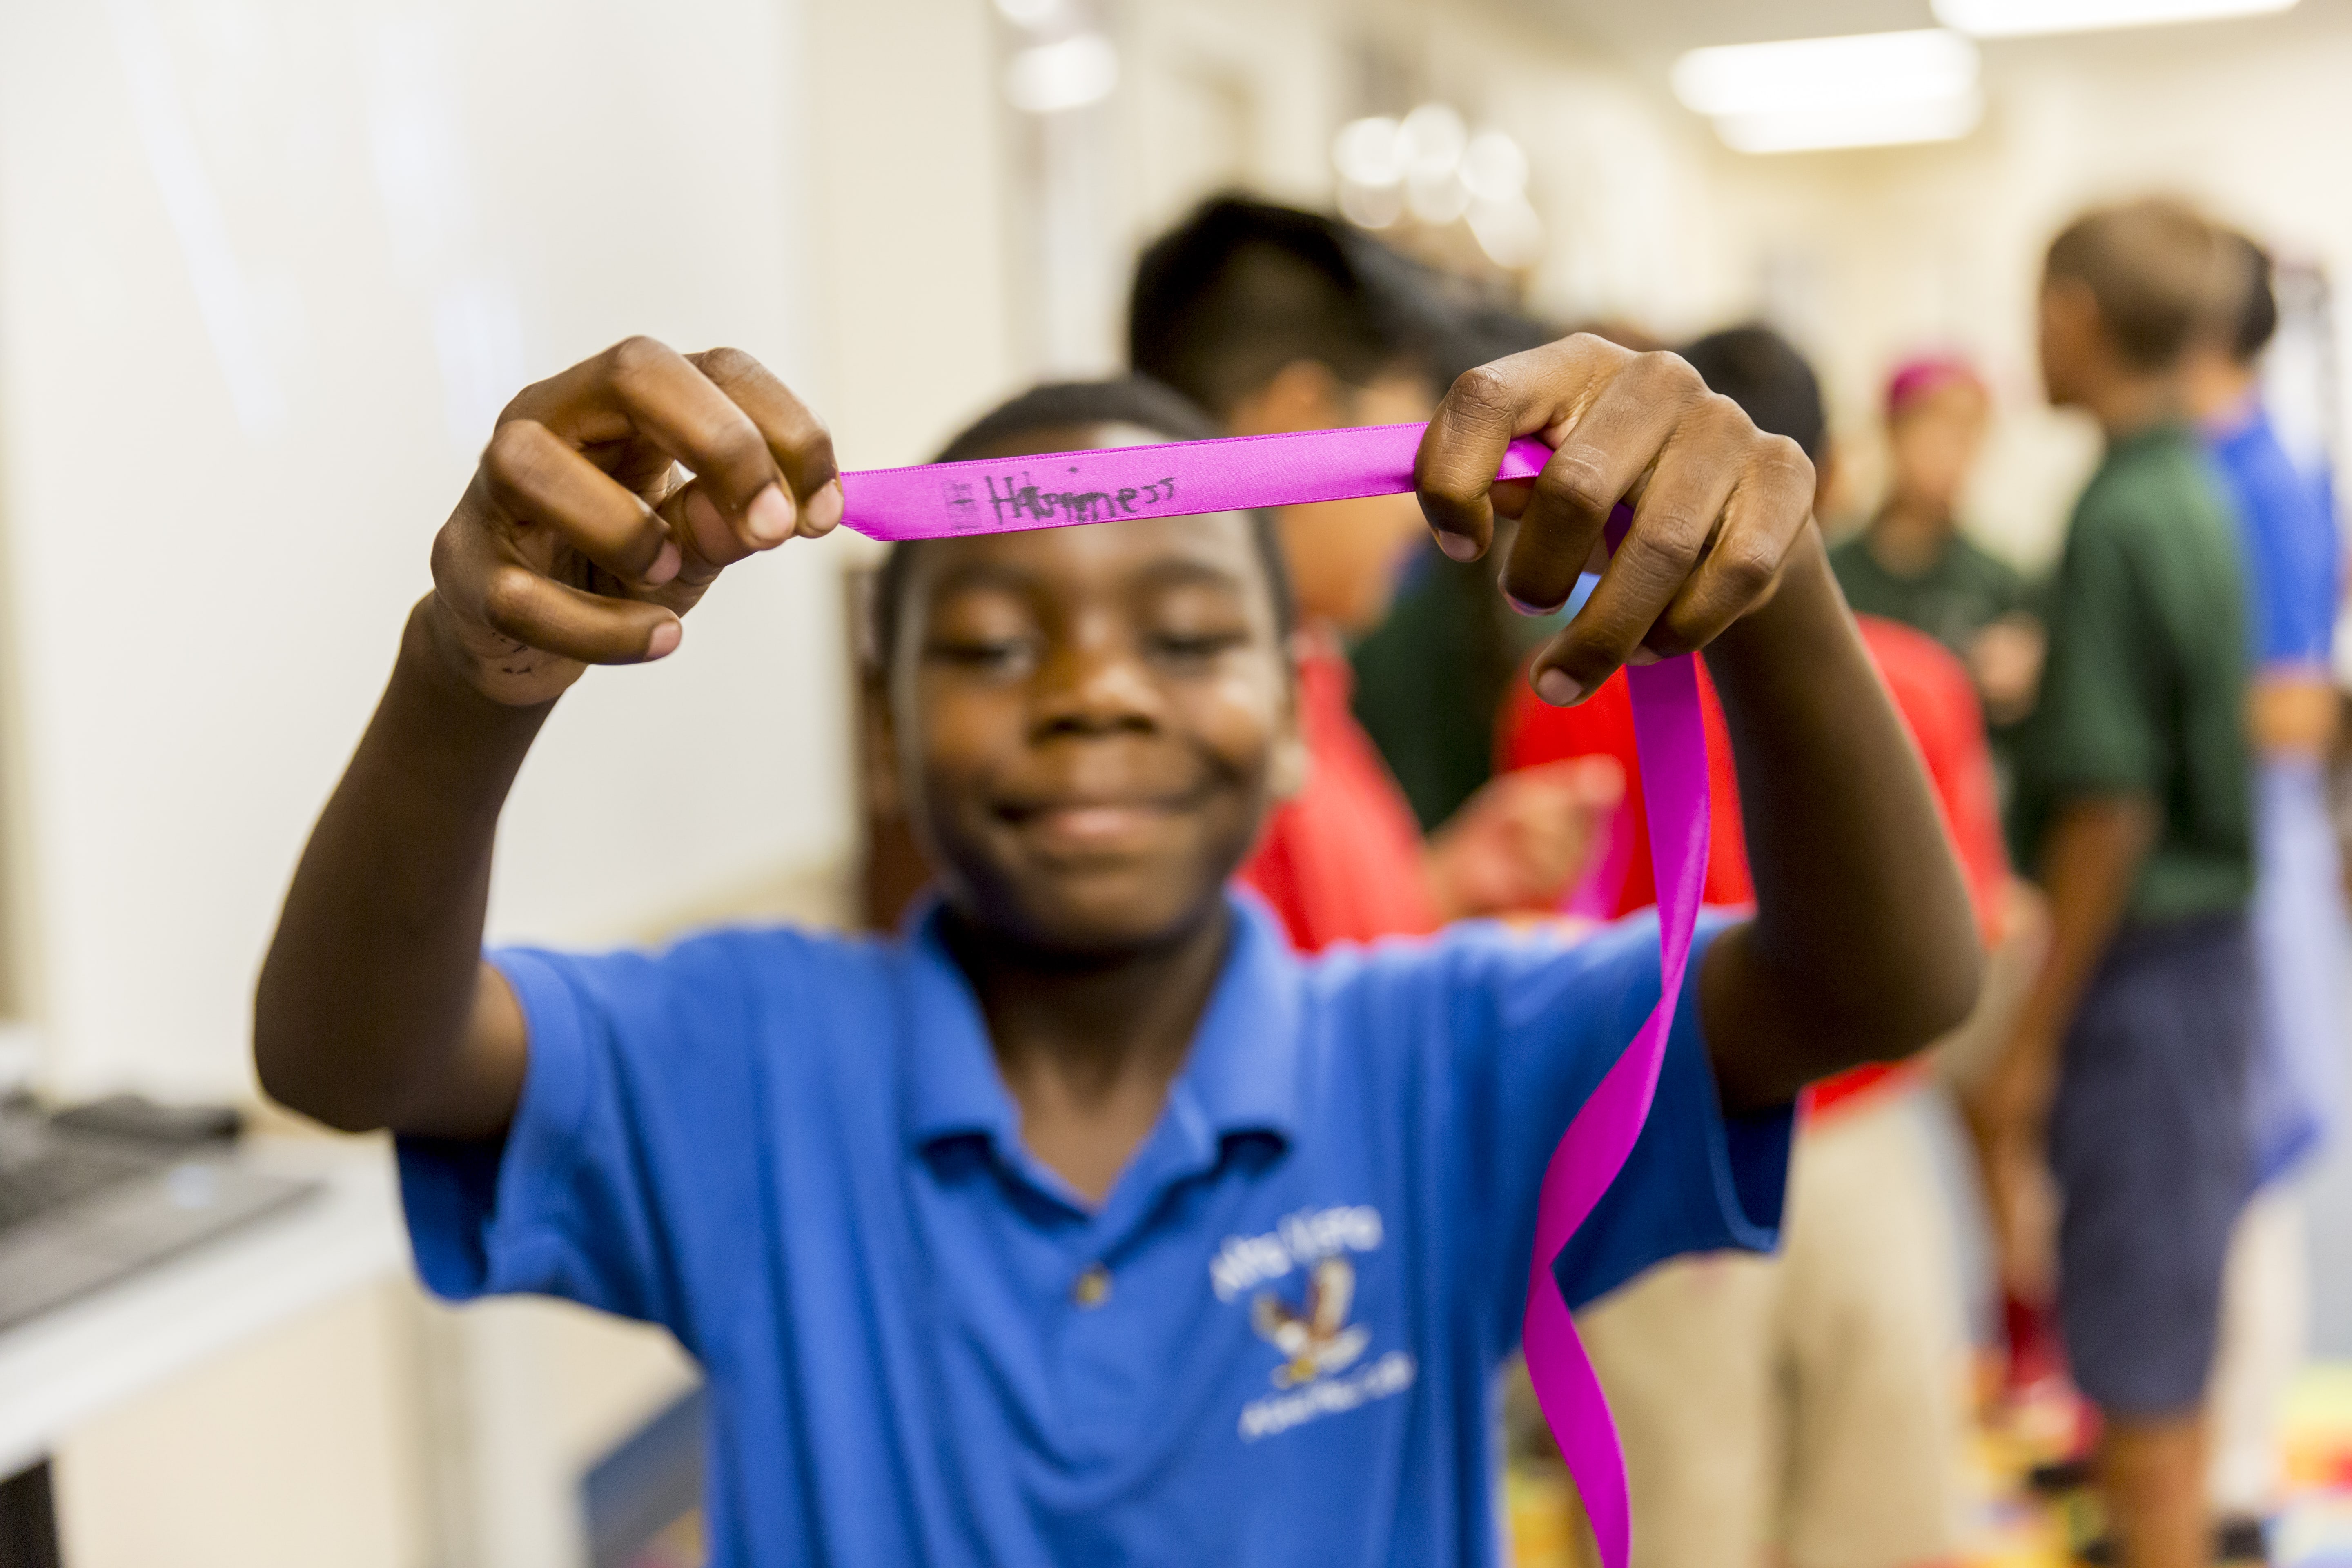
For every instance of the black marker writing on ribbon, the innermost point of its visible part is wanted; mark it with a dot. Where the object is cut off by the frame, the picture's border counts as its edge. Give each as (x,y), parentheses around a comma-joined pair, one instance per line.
(1022,500)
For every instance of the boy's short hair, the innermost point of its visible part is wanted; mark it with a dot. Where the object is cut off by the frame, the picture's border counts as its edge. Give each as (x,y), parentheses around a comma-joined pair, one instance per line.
(1482,335)
(1060,404)
(1762,371)
(2158,270)
(1240,288)
(2249,328)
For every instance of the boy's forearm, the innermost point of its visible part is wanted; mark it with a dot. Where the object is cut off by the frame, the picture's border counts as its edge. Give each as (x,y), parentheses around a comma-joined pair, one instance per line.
(1862,947)
(367,1000)
(2089,863)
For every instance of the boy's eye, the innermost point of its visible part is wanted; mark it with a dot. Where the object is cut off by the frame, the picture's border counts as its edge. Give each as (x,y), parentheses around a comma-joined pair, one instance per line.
(1194,644)
(1000,656)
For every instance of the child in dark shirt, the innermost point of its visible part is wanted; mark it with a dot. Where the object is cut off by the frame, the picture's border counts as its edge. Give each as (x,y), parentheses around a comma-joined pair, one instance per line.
(1083,1222)
(2132,810)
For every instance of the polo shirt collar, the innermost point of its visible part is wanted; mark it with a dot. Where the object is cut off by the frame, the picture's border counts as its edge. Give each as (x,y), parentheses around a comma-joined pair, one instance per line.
(1241,1076)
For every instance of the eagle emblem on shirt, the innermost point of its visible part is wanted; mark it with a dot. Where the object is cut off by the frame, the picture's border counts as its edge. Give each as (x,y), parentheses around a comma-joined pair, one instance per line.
(1313,1337)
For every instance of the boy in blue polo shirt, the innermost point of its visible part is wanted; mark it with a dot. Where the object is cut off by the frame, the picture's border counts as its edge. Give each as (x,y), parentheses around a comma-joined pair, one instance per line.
(1083,1222)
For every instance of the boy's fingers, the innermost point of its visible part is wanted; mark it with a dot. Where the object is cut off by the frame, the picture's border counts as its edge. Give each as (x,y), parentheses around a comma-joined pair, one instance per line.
(640,393)
(535,476)
(1484,411)
(669,400)
(796,438)
(1767,508)
(711,543)
(1707,542)
(541,613)
(1677,525)
(1643,576)
(1598,461)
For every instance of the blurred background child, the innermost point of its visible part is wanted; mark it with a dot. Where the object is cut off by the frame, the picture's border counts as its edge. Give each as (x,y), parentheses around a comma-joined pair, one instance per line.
(2133,811)
(2293,562)
(1278,320)
(1912,563)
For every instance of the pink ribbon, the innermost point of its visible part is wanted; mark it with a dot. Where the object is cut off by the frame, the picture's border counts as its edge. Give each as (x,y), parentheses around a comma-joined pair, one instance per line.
(1002,495)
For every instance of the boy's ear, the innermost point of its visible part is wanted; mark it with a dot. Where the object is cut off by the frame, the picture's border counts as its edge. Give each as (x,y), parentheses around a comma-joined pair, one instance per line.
(1302,396)
(2070,305)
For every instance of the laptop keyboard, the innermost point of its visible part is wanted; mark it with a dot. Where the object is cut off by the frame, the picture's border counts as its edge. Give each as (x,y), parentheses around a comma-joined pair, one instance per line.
(62,1173)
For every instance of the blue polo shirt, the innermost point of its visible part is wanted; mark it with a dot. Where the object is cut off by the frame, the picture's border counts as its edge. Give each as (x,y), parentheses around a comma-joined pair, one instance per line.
(1274,1343)
(2292,557)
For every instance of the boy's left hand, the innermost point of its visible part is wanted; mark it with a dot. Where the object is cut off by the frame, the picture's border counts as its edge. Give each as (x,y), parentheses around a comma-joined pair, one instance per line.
(1716,503)
(1519,843)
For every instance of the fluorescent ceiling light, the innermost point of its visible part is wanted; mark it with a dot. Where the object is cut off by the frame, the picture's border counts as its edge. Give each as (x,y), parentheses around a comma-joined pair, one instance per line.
(1865,125)
(2014,18)
(1818,73)
(1861,90)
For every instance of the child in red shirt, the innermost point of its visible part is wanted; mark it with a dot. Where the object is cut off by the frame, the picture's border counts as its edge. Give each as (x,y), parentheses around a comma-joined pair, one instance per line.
(1276,319)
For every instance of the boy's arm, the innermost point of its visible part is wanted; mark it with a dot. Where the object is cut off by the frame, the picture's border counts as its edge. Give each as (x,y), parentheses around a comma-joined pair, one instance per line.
(2089,858)
(1863,946)
(579,542)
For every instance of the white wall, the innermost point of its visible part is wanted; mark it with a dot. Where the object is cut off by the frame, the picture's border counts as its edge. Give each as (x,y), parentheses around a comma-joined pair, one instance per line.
(1873,254)
(268,268)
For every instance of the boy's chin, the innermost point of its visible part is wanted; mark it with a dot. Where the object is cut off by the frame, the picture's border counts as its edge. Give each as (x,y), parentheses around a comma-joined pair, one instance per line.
(1106,915)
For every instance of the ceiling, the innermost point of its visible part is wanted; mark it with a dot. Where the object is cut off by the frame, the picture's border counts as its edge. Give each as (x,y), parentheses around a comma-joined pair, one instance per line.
(1651,33)
(1660,29)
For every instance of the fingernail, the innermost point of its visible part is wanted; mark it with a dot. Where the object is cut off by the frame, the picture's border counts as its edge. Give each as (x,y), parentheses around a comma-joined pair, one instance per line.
(1458,546)
(1556,687)
(666,565)
(1643,656)
(823,510)
(663,641)
(1527,609)
(770,518)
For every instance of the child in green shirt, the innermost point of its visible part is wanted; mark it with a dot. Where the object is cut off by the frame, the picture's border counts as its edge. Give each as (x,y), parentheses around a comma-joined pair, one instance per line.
(2129,1061)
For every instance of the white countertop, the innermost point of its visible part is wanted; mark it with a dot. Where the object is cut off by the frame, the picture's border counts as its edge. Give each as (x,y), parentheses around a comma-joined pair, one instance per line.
(66,1366)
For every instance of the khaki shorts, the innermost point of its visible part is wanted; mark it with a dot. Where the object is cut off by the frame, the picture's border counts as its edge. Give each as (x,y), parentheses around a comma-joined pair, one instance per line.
(1808,1404)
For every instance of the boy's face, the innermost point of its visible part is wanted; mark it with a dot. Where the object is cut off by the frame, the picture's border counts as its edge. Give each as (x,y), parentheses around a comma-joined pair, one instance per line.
(1088,722)
(1935,441)
(2070,339)
(1343,556)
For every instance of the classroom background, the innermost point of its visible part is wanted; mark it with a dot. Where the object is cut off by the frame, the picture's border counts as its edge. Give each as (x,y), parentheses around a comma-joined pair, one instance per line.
(270,268)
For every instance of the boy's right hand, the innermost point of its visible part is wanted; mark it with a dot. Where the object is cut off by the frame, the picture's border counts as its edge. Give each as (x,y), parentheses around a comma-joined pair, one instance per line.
(608,500)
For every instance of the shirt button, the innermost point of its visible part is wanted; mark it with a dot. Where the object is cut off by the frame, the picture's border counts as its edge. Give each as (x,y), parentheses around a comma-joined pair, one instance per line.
(1093,1288)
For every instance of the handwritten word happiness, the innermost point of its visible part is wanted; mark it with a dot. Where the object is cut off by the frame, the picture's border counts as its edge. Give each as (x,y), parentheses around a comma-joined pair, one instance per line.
(1021,502)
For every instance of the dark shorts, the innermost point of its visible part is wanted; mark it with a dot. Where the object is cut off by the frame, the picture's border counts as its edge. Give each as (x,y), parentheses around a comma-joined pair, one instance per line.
(2149,1146)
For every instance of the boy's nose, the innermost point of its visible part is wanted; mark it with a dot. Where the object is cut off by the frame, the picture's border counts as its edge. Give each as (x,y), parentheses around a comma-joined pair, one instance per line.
(1094,685)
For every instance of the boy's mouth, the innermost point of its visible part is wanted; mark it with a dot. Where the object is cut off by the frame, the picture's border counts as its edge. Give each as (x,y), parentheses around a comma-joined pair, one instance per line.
(1093,824)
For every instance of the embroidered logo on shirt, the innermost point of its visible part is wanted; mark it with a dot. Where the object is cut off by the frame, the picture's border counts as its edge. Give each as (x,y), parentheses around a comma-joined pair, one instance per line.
(1322,1371)
(1315,1337)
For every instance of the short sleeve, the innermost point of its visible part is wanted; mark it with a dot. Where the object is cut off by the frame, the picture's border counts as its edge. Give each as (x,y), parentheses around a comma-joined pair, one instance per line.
(1695,1180)
(2298,574)
(2095,731)
(587,1194)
